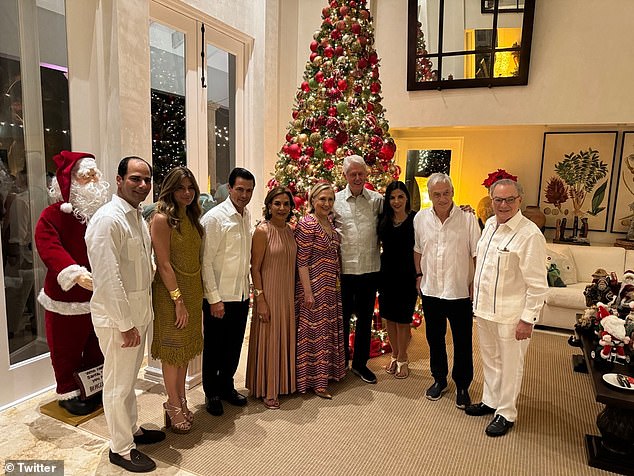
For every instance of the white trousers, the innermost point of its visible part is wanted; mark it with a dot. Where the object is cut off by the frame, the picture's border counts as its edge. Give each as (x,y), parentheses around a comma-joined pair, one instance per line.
(120,369)
(502,365)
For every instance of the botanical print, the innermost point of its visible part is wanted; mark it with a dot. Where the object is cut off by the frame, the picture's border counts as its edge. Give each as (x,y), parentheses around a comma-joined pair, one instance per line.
(624,206)
(575,180)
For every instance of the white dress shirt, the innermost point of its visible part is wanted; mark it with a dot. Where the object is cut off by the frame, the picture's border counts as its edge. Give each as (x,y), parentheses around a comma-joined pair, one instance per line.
(226,253)
(356,221)
(120,250)
(510,277)
(447,250)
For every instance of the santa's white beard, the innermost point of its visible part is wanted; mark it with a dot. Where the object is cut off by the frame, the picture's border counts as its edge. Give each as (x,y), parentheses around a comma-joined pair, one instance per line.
(86,199)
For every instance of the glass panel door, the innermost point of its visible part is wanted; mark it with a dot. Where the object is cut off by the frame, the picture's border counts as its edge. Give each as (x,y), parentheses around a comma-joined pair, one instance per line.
(34,126)
(168,88)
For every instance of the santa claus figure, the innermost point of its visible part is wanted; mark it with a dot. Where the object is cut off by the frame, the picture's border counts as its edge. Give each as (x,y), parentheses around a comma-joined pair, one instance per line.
(59,236)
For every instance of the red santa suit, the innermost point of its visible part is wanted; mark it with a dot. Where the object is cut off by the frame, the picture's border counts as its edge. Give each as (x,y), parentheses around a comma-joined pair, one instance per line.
(59,237)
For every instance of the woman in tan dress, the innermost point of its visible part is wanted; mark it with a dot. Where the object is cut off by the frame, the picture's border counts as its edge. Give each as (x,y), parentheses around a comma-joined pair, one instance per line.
(177,292)
(271,361)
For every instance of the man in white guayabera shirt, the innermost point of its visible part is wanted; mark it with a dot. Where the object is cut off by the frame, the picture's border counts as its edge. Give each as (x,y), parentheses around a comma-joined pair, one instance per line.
(120,250)
(356,216)
(509,290)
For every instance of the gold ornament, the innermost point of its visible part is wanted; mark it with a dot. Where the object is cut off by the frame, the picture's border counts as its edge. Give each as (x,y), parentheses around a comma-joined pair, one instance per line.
(318,60)
(290,169)
(310,169)
(315,137)
(297,123)
(302,138)
(339,152)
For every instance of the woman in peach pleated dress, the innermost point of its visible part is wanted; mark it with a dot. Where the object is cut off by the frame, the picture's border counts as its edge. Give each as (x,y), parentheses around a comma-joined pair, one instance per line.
(271,360)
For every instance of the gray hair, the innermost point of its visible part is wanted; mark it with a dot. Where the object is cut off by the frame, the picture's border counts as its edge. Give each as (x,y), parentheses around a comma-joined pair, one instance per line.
(353,159)
(436,178)
(517,185)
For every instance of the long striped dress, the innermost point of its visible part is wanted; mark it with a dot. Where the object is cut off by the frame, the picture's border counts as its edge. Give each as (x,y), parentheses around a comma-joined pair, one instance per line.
(320,345)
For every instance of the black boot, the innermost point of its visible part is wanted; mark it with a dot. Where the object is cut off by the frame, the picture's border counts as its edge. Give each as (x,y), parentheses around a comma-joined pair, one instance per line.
(79,407)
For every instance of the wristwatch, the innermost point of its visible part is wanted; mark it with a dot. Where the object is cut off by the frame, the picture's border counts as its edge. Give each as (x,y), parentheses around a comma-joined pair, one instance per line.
(257,292)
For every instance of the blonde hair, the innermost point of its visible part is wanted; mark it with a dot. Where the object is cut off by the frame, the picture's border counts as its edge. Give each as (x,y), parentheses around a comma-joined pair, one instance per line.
(316,190)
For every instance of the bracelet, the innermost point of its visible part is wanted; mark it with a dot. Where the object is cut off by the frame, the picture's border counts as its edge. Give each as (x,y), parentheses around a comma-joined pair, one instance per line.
(175,294)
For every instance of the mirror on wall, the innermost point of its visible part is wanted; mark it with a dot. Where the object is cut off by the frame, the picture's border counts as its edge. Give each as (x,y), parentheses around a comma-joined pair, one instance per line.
(468,43)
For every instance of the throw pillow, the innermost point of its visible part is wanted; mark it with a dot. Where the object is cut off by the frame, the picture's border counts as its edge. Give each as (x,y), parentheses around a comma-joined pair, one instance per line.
(554,277)
(565,264)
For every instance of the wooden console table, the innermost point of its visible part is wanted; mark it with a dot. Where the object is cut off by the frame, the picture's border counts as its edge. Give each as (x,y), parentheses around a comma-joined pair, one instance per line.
(611,451)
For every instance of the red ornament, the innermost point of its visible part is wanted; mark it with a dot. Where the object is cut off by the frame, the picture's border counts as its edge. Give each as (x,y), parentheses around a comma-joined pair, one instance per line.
(341,25)
(305,86)
(325,12)
(387,152)
(295,113)
(329,82)
(289,137)
(376,143)
(370,158)
(369,186)
(341,137)
(335,34)
(314,45)
(362,63)
(292,187)
(375,88)
(321,120)
(329,164)
(312,56)
(343,11)
(338,50)
(397,172)
(329,51)
(364,14)
(373,58)
(295,150)
(299,202)
(285,149)
(416,320)
(357,88)
(334,93)
(375,73)
(332,111)
(309,151)
(369,107)
(330,146)
(378,131)
(319,76)
(332,124)
(342,85)
(272,183)
(356,28)
(362,40)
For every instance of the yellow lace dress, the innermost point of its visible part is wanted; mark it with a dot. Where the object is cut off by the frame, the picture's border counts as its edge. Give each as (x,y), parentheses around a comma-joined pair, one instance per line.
(169,344)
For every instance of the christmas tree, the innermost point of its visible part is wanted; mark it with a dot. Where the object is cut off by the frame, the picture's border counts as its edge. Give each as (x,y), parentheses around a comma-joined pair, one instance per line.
(337,109)
(423,63)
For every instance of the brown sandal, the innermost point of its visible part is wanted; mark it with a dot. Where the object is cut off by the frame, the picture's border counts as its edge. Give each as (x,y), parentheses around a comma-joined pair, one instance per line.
(323,393)
(189,415)
(175,419)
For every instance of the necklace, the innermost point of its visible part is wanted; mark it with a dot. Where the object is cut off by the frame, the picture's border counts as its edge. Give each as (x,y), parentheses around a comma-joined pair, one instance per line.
(396,222)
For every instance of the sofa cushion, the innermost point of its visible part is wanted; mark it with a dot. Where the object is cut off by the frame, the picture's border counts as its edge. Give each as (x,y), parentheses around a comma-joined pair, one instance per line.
(589,258)
(565,263)
(570,297)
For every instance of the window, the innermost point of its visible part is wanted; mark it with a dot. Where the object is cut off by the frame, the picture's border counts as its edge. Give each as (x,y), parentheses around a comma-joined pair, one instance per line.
(468,43)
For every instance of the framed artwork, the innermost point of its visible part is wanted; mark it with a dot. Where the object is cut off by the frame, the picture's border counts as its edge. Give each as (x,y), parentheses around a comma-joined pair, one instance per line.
(624,206)
(576,176)
(504,6)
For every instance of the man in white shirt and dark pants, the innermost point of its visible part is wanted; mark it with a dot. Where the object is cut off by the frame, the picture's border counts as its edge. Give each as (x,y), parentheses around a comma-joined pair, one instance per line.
(509,290)
(356,216)
(444,255)
(225,270)
(120,250)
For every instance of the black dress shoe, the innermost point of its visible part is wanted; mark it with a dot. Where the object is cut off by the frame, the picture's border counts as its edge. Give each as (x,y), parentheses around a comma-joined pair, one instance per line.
(479,409)
(364,373)
(463,400)
(434,392)
(499,426)
(235,398)
(138,462)
(78,407)
(214,406)
(148,437)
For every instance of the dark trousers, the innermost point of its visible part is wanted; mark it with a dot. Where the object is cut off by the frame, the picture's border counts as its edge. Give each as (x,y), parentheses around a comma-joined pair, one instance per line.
(222,345)
(358,293)
(459,312)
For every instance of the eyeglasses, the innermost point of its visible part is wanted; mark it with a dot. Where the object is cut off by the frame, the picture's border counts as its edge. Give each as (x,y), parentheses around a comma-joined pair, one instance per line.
(508,200)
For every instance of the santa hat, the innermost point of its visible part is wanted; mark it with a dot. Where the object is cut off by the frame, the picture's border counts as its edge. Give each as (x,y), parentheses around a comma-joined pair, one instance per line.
(65,161)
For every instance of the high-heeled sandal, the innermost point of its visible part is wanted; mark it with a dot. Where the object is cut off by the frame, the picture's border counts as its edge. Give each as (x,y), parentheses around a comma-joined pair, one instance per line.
(391,367)
(175,419)
(189,415)
(402,369)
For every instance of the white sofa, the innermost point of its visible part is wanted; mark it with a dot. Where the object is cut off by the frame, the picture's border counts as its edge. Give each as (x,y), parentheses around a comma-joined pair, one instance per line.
(563,303)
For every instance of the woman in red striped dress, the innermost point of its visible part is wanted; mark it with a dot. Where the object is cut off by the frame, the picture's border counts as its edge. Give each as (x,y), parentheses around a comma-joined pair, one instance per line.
(320,344)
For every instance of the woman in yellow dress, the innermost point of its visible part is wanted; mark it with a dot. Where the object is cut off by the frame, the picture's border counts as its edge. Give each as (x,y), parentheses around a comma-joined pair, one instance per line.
(177,291)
